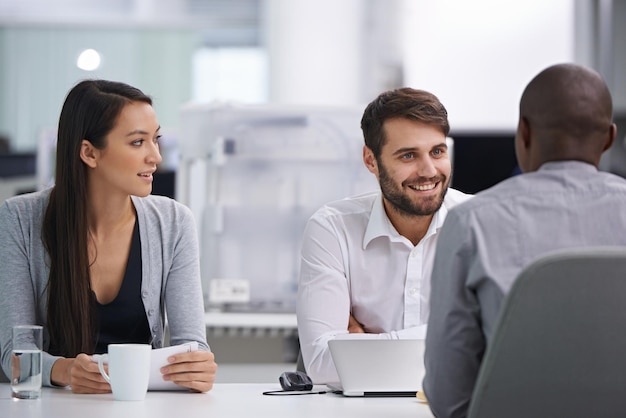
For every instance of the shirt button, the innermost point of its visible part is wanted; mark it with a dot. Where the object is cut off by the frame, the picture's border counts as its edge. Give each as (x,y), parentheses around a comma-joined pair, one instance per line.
(144,295)
(414,253)
(412,291)
(151,312)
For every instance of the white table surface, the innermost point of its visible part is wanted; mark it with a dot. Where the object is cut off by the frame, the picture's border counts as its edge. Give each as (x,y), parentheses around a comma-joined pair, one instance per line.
(228,400)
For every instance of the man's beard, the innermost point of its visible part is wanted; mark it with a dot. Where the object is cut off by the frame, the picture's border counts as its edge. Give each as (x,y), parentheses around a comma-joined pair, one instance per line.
(401,201)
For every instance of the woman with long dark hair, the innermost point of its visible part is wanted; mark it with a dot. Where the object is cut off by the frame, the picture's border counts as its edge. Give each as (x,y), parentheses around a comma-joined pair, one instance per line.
(96,259)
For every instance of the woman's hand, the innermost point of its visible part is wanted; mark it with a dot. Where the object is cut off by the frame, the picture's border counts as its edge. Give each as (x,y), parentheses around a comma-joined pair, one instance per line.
(80,373)
(194,370)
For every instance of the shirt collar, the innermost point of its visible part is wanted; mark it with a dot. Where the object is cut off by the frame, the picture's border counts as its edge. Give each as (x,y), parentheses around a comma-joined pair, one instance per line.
(568,164)
(379,224)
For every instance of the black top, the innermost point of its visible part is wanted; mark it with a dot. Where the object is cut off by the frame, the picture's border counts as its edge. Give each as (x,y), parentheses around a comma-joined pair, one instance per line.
(124,319)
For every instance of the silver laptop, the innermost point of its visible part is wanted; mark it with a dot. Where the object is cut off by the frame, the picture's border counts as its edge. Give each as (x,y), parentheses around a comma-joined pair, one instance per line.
(378,367)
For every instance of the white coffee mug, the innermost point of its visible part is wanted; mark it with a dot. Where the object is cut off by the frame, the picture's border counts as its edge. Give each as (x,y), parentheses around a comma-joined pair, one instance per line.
(129,370)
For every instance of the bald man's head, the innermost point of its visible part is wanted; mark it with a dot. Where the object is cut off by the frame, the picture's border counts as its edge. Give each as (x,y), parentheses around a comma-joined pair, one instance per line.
(567,110)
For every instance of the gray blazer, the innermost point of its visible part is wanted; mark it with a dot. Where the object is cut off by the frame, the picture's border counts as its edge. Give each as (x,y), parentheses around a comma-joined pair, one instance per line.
(170,271)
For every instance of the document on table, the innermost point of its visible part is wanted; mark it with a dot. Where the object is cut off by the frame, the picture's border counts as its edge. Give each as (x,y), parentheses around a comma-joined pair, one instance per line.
(158,359)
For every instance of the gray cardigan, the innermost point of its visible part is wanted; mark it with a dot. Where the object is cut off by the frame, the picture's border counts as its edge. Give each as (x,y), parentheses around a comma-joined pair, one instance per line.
(170,271)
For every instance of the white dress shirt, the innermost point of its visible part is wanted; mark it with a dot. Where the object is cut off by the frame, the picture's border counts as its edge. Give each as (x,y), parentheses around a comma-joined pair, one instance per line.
(354,261)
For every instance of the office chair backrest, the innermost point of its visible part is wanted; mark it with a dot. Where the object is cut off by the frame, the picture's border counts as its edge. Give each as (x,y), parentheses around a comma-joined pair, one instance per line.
(559,348)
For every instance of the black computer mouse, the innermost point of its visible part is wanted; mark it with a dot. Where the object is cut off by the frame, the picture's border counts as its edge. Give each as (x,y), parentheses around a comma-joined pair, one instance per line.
(295,381)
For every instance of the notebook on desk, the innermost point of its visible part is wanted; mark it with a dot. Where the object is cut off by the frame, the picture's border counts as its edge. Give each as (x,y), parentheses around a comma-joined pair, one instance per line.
(378,367)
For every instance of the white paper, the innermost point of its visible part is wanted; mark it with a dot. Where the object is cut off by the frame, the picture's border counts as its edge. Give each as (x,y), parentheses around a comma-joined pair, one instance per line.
(159,359)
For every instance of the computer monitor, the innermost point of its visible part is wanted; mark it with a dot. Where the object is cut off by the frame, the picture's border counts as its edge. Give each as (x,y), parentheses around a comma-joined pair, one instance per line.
(18,164)
(17,174)
(482,159)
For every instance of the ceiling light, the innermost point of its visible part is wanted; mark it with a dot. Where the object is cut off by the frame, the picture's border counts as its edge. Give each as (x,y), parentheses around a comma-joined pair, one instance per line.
(88,60)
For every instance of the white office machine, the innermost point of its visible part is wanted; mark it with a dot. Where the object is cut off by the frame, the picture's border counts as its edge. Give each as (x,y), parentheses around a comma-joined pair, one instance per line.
(253,175)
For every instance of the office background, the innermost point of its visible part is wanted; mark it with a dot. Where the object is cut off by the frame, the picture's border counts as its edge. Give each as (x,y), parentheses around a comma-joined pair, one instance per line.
(476,56)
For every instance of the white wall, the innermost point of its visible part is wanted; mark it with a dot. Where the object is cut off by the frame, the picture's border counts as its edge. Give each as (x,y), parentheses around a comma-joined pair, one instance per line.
(314,50)
(329,52)
(619,56)
(39,67)
(477,56)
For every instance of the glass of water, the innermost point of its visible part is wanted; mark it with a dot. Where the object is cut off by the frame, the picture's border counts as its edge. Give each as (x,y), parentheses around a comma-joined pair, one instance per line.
(26,361)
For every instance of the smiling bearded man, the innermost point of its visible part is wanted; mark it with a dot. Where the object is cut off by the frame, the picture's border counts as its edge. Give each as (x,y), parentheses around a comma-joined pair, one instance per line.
(366,260)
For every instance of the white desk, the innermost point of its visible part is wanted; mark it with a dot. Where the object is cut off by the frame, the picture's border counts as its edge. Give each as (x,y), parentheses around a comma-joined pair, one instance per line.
(229,400)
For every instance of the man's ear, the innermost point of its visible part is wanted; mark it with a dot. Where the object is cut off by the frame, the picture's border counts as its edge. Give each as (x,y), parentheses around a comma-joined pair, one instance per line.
(524,131)
(89,153)
(370,160)
(611,137)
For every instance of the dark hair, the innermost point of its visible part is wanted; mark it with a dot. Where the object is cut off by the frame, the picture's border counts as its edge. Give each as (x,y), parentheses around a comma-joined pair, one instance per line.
(89,112)
(417,105)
